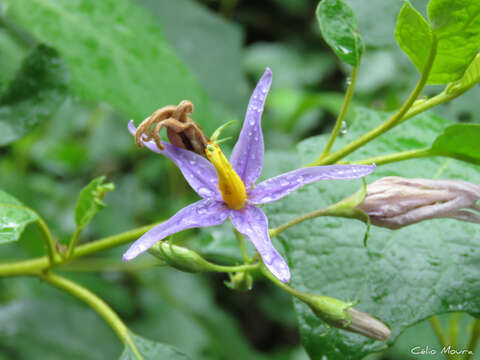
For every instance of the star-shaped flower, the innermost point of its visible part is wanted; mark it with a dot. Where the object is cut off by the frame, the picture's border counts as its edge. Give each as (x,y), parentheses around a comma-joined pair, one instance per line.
(228,189)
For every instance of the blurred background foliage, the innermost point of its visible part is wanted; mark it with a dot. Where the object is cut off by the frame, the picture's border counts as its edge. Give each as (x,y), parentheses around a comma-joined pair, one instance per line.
(124,59)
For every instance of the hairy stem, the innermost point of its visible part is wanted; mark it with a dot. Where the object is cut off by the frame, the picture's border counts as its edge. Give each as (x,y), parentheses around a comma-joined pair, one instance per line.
(343,113)
(100,306)
(394,120)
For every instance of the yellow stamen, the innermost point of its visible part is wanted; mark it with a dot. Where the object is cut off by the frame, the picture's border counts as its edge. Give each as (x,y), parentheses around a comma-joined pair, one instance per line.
(230,185)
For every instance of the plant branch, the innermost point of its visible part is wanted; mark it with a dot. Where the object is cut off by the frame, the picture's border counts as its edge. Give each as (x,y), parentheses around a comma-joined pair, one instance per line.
(342,114)
(400,156)
(29,267)
(437,329)
(100,306)
(394,120)
(52,254)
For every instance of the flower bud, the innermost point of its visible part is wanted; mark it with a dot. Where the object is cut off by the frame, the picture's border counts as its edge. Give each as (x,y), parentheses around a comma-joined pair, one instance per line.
(341,315)
(394,202)
(179,257)
(241,281)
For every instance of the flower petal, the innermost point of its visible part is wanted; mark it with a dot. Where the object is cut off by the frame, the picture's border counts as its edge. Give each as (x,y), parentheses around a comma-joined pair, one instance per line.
(282,185)
(252,222)
(202,213)
(247,155)
(198,171)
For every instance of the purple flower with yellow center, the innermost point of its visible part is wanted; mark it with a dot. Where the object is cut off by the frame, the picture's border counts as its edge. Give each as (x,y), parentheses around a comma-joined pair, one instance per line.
(228,188)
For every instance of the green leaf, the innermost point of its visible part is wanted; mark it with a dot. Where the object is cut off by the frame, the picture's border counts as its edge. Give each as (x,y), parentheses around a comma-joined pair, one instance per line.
(54,329)
(459,141)
(339,29)
(151,350)
(469,79)
(90,201)
(456,26)
(413,35)
(402,276)
(36,91)
(128,63)
(14,216)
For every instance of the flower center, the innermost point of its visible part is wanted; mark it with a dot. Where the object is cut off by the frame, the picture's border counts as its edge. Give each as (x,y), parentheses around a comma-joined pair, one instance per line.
(230,185)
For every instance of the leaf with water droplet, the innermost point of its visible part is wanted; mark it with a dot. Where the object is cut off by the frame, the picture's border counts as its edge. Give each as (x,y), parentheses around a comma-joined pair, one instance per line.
(14,216)
(338,26)
(394,276)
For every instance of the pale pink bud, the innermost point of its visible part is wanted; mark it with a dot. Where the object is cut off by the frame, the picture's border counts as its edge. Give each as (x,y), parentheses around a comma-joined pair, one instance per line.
(394,202)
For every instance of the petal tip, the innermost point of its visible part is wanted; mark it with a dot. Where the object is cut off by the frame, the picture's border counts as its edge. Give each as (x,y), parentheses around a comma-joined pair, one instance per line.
(126,257)
(132,128)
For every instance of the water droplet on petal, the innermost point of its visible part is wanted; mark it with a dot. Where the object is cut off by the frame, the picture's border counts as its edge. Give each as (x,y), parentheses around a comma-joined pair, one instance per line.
(266,198)
(192,162)
(203,191)
(252,122)
(284,183)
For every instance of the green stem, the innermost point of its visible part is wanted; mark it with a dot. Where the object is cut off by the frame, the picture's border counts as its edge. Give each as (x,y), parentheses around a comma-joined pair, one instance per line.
(342,114)
(48,239)
(394,120)
(237,268)
(28,267)
(437,329)
(474,337)
(328,211)
(400,156)
(97,304)
(282,285)
(73,242)
(243,247)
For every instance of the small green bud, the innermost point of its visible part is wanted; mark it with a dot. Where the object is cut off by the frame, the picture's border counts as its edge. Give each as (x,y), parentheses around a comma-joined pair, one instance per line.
(341,315)
(179,257)
(241,281)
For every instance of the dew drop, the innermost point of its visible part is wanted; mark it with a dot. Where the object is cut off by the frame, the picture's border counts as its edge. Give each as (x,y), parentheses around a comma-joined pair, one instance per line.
(266,198)
(252,122)
(284,183)
(343,128)
(255,138)
(203,191)
(192,162)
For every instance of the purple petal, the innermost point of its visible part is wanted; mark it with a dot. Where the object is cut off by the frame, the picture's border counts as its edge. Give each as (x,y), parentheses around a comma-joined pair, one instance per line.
(247,155)
(203,213)
(198,171)
(252,222)
(282,185)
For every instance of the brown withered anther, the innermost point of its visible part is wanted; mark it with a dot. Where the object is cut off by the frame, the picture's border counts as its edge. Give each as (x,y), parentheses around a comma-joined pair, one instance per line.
(182,131)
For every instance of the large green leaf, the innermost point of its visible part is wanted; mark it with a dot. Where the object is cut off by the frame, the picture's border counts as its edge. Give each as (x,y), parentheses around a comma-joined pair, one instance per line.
(36,91)
(210,45)
(402,276)
(459,141)
(116,52)
(13,218)
(151,350)
(339,29)
(456,26)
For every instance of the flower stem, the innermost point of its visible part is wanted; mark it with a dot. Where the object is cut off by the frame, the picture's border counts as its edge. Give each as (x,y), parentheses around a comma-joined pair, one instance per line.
(282,285)
(342,114)
(474,337)
(243,248)
(97,304)
(394,120)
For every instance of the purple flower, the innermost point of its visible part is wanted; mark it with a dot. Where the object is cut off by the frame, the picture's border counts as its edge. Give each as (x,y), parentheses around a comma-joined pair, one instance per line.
(228,188)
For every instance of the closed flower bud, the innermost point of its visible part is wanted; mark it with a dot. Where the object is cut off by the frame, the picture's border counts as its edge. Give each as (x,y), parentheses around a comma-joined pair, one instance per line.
(179,257)
(341,315)
(394,202)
